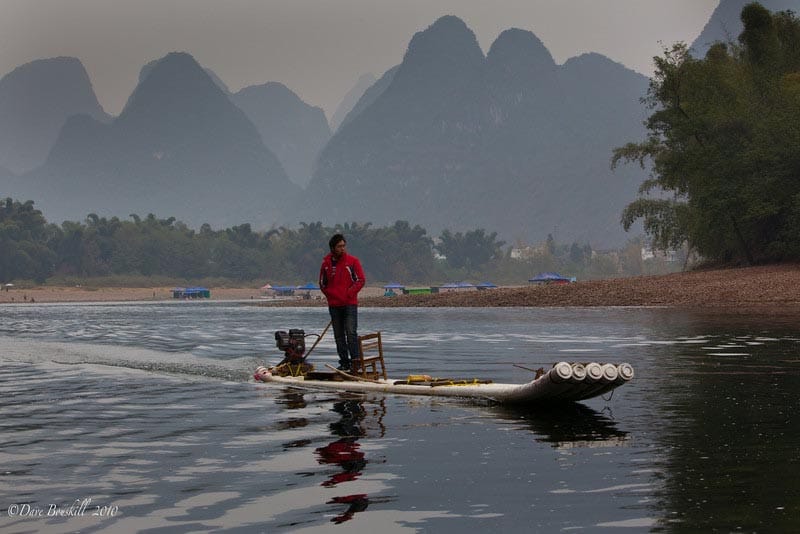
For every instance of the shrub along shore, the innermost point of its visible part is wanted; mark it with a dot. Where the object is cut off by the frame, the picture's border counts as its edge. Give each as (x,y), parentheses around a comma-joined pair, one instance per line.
(771,289)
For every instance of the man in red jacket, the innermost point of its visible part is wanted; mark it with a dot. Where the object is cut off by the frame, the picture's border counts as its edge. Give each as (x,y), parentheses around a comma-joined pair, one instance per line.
(340,279)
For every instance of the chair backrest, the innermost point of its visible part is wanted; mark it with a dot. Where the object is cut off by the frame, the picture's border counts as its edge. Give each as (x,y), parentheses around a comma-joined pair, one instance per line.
(370,349)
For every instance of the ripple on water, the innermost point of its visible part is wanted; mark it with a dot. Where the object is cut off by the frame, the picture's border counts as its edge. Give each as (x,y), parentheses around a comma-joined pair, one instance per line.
(152,409)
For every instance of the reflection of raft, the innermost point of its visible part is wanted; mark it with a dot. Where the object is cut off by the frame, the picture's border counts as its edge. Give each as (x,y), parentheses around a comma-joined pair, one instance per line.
(564,382)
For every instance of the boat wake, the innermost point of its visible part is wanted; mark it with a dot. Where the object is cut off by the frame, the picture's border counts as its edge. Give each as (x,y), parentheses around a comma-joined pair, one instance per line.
(135,358)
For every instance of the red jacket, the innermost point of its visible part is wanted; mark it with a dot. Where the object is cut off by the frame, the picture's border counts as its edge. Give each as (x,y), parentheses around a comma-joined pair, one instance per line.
(341,283)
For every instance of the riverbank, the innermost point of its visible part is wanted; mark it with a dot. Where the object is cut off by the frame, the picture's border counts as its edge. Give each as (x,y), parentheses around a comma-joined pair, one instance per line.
(769,287)
(46,294)
(764,286)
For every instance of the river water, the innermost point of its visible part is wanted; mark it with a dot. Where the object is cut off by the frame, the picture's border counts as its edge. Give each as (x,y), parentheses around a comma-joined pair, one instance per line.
(144,418)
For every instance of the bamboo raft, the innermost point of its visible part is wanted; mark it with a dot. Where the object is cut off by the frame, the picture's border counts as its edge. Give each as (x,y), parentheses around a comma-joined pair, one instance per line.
(564,382)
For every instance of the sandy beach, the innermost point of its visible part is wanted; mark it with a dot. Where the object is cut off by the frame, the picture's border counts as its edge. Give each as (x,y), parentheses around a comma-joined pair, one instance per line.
(770,287)
(44,294)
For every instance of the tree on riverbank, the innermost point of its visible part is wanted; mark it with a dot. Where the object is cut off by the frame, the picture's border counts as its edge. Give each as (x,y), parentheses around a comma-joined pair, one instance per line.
(25,239)
(724,144)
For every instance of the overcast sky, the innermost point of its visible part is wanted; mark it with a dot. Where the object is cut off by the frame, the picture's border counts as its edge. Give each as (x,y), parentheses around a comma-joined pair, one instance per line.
(319,48)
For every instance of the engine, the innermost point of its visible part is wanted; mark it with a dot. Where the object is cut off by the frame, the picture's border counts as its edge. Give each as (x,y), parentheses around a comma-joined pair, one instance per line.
(292,343)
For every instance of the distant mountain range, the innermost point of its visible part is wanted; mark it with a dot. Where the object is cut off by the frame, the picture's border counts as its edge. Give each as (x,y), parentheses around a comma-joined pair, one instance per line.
(451,138)
(179,148)
(509,141)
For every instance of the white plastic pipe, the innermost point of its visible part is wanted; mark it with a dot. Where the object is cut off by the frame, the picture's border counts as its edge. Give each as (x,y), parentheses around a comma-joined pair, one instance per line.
(561,372)
(625,371)
(610,372)
(594,371)
(578,372)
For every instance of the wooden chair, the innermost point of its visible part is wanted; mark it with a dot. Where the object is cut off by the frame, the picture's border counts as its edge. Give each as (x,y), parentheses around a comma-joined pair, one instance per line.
(370,349)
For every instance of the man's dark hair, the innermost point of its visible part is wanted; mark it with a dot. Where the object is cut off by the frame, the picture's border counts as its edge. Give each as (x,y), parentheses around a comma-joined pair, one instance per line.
(335,241)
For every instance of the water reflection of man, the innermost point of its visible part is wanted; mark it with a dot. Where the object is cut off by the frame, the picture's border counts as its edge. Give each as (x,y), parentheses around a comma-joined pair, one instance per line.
(346,453)
(355,503)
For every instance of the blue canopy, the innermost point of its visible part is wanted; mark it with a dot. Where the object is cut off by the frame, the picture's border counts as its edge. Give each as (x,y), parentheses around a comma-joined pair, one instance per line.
(464,284)
(485,285)
(394,285)
(309,286)
(548,277)
(283,288)
(191,292)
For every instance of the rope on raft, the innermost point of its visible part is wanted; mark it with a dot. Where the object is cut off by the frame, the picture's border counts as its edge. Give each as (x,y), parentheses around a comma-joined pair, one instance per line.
(460,382)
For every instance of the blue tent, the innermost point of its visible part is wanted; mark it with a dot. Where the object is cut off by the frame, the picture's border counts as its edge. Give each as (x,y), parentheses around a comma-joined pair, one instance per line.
(485,285)
(284,291)
(394,285)
(308,286)
(191,293)
(548,278)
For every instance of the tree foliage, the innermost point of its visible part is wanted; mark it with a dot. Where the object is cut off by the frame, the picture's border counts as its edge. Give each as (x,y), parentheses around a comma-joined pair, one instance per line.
(165,249)
(470,250)
(32,249)
(724,143)
(25,242)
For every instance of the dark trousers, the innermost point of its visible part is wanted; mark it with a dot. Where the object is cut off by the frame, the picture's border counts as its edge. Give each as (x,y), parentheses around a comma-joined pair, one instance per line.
(344,320)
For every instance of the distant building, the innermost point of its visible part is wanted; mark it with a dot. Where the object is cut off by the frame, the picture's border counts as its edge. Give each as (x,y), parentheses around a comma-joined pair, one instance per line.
(526,252)
(669,256)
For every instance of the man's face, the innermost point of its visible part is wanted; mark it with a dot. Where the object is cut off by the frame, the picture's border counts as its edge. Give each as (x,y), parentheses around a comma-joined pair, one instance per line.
(339,249)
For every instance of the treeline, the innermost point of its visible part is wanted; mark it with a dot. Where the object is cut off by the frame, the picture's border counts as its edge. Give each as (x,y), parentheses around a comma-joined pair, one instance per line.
(100,247)
(34,249)
(724,144)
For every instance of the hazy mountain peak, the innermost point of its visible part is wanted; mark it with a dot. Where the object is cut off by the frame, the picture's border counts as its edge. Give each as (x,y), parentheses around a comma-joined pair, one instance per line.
(270,90)
(175,84)
(449,36)
(518,64)
(442,58)
(350,99)
(172,57)
(605,74)
(144,72)
(35,100)
(174,65)
(65,65)
(292,129)
(593,60)
(521,74)
(520,50)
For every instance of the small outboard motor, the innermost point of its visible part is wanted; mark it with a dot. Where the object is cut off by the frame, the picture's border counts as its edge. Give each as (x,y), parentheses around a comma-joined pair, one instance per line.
(293,345)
